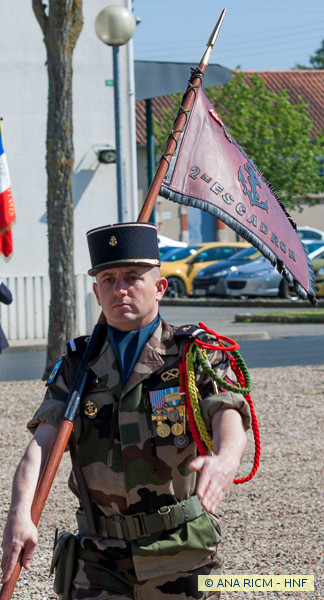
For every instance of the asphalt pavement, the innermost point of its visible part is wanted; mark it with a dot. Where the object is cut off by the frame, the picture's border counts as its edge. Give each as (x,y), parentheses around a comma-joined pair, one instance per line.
(261,344)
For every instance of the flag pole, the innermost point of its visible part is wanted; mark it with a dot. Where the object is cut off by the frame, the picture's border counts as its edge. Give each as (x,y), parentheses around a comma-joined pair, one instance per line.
(188,101)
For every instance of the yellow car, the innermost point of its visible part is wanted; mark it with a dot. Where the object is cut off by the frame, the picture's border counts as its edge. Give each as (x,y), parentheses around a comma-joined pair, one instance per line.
(180,267)
(318,265)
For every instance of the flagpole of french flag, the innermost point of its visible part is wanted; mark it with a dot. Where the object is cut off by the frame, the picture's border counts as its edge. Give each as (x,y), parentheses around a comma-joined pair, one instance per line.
(7,208)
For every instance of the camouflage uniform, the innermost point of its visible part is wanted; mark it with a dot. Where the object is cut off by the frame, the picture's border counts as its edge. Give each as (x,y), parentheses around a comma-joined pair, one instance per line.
(129,469)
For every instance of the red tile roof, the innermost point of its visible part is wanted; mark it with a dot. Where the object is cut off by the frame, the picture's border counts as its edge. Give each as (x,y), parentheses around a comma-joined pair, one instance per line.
(307,84)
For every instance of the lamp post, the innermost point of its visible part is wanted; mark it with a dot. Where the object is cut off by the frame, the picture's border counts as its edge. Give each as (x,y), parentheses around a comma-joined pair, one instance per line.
(114,26)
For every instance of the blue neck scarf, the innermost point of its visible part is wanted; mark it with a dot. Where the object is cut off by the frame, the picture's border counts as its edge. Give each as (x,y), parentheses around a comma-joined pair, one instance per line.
(128,345)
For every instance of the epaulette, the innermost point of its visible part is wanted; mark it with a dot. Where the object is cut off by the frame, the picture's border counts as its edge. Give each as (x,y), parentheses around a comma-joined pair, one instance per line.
(77,345)
(192,331)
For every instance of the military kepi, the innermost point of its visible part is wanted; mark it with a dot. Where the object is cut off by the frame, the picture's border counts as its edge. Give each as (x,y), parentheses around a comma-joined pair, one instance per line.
(123,244)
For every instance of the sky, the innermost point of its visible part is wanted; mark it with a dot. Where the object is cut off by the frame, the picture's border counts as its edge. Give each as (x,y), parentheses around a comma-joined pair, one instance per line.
(255,34)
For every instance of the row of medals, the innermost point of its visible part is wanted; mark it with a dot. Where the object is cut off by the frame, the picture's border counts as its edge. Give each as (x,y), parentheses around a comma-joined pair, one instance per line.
(174,411)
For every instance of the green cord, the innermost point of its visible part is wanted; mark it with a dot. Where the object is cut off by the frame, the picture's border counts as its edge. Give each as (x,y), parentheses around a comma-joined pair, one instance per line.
(202,358)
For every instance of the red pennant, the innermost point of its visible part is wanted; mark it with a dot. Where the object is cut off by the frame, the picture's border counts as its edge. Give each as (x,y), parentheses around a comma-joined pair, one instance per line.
(211,171)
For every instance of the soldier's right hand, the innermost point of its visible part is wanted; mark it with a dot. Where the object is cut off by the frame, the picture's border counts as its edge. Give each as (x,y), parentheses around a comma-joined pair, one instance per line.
(20,536)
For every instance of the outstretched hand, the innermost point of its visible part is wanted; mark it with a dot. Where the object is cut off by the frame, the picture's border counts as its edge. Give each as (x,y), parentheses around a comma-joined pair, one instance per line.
(216,478)
(217,472)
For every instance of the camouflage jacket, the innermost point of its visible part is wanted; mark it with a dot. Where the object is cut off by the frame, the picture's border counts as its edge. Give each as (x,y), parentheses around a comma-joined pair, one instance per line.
(127,466)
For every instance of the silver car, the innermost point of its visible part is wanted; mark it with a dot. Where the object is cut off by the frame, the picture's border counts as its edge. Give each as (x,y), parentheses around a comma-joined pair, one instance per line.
(256,278)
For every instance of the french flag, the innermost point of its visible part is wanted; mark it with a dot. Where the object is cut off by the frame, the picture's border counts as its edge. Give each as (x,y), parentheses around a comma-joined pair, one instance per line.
(7,208)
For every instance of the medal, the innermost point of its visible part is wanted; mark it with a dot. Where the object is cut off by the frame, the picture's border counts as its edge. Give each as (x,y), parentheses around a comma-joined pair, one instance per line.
(173,415)
(181,441)
(177,429)
(90,409)
(163,430)
(159,415)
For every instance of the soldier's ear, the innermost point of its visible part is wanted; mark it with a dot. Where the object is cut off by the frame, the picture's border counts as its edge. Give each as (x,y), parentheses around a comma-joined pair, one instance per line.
(95,289)
(161,286)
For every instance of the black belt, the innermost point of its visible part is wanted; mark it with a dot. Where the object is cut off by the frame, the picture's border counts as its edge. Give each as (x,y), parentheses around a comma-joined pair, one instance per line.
(132,527)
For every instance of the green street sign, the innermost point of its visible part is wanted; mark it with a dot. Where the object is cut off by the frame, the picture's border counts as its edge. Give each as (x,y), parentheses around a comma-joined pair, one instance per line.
(109,82)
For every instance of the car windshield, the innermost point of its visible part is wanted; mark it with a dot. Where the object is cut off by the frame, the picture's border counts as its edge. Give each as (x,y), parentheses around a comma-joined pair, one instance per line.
(309,234)
(180,253)
(311,246)
(247,254)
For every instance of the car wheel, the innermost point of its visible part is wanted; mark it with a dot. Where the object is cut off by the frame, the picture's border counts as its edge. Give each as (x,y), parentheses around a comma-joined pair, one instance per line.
(176,288)
(287,291)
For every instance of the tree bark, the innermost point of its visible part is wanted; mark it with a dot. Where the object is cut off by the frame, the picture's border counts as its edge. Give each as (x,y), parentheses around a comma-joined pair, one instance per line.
(61,23)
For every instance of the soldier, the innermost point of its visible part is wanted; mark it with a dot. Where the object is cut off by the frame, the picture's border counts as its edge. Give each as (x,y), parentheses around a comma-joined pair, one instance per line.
(153,501)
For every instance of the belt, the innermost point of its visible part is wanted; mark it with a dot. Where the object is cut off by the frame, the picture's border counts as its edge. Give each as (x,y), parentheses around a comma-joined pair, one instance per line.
(132,527)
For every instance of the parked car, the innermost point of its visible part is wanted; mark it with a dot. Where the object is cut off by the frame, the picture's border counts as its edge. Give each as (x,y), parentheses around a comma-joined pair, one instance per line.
(318,264)
(181,271)
(254,277)
(167,244)
(312,245)
(176,254)
(166,250)
(310,233)
(207,281)
(166,241)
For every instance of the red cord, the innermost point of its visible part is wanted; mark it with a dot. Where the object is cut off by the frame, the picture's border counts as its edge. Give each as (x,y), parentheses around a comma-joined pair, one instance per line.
(255,425)
(232,347)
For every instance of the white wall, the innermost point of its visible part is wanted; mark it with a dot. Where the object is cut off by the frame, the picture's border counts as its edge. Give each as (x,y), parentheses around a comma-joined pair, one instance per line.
(23,106)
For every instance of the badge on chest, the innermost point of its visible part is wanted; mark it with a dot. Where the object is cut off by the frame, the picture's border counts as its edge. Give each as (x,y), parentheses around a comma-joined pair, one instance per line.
(169,415)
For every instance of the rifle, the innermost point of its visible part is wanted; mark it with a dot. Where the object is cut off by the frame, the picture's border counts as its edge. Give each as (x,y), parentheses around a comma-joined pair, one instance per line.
(75,395)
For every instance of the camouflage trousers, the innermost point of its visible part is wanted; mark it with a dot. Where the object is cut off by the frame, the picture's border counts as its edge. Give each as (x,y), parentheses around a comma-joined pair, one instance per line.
(109,574)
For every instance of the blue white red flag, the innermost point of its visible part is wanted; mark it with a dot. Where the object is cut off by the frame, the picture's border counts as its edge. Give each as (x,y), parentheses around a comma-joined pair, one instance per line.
(7,208)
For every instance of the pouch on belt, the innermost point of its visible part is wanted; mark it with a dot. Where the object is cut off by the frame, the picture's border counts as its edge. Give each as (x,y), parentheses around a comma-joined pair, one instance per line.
(64,563)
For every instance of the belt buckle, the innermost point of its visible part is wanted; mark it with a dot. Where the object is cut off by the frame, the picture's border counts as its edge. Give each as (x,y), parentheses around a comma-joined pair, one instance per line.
(135,525)
(117,522)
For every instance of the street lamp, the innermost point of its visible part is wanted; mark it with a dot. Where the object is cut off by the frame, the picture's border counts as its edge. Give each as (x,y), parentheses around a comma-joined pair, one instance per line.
(115,26)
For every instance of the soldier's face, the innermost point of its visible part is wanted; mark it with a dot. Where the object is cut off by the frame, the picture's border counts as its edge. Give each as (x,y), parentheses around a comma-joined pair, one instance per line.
(129,296)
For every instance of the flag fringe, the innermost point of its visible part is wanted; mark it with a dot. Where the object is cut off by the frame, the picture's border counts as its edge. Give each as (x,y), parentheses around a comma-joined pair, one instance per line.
(251,239)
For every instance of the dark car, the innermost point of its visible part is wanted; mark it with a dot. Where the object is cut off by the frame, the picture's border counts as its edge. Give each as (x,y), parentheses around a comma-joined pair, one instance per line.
(207,283)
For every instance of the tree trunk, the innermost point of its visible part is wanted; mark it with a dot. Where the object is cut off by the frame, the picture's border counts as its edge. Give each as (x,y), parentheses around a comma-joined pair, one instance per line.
(61,28)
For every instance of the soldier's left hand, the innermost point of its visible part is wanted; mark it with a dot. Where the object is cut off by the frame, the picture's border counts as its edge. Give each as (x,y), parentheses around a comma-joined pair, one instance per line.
(216,478)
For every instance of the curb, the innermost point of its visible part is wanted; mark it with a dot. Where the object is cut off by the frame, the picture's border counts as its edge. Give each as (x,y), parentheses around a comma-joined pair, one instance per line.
(249,318)
(38,345)
(235,302)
